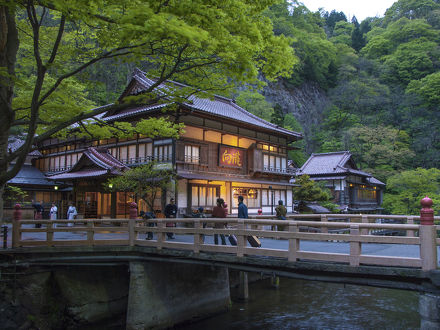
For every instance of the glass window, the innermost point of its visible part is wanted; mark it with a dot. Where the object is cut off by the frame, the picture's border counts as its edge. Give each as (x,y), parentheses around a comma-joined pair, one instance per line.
(266,161)
(192,154)
(132,151)
(123,153)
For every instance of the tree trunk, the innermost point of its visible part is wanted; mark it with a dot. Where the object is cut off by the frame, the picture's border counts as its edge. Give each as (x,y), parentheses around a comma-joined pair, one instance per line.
(8,55)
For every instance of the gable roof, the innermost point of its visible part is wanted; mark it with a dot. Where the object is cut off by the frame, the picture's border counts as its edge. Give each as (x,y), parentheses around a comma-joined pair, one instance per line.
(328,163)
(94,162)
(15,142)
(219,106)
(334,165)
(30,175)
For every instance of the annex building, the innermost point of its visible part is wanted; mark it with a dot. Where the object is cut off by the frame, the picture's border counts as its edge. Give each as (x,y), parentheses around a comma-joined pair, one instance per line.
(354,190)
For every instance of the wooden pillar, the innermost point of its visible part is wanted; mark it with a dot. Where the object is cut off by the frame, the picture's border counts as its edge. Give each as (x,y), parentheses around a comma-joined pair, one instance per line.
(113,201)
(243,286)
(16,225)
(355,247)
(428,235)
(429,309)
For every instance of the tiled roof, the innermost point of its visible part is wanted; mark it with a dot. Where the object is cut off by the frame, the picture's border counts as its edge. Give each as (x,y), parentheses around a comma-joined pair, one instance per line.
(219,106)
(15,142)
(330,164)
(333,165)
(375,181)
(102,158)
(93,162)
(134,112)
(79,174)
(30,175)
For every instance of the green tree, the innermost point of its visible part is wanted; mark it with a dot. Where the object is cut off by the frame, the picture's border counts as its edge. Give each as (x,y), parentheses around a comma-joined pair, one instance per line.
(145,182)
(411,9)
(412,61)
(405,190)
(332,18)
(428,89)
(297,155)
(255,103)
(45,45)
(382,151)
(308,190)
(342,33)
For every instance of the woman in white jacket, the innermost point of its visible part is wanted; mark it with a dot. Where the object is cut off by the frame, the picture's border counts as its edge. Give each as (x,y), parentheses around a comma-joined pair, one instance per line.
(53,213)
(71,213)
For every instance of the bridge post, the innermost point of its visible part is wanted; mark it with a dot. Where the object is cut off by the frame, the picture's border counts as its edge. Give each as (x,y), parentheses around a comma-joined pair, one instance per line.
(161,234)
(197,236)
(293,242)
(429,309)
(324,220)
(16,226)
(133,213)
(241,242)
(364,219)
(355,247)
(410,221)
(49,233)
(427,233)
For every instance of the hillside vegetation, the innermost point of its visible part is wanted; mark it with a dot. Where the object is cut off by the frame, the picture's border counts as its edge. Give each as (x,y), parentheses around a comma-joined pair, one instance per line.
(378,83)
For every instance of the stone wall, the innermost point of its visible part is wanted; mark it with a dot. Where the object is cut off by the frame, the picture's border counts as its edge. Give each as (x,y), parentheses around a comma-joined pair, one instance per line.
(164,294)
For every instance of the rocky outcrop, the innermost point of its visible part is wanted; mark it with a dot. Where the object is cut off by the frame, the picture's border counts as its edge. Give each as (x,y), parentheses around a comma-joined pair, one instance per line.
(306,102)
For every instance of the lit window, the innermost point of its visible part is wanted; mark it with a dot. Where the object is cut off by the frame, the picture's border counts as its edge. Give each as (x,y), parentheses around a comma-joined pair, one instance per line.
(192,154)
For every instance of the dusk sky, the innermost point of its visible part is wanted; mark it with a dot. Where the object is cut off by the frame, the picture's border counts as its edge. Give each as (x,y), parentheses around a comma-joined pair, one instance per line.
(359,8)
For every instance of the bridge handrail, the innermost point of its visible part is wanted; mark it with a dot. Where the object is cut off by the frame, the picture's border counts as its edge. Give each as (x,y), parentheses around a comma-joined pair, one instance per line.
(355,233)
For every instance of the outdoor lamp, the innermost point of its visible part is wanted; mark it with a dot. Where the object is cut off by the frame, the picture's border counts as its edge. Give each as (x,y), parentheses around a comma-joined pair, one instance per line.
(110,185)
(56,187)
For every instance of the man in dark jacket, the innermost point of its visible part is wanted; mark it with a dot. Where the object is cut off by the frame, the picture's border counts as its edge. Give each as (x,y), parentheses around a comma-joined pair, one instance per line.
(242,208)
(170,212)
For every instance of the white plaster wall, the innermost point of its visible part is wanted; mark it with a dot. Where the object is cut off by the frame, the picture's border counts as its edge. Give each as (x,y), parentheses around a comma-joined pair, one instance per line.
(182,198)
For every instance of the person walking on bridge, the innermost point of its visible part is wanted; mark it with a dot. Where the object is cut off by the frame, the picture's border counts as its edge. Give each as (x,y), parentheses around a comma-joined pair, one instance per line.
(219,212)
(242,208)
(170,212)
(281,213)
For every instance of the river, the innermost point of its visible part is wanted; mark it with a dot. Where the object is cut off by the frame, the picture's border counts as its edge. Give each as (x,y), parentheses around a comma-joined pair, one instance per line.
(298,304)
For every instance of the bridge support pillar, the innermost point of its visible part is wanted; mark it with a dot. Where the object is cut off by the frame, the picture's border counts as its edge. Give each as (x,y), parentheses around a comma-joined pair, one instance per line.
(243,286)
(429,309)
(163,294)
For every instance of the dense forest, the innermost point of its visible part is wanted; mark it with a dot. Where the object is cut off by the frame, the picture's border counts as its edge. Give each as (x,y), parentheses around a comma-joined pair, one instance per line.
(380,79)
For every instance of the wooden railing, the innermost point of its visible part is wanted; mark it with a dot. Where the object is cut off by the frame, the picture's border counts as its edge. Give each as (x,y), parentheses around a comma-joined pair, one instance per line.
(353,229)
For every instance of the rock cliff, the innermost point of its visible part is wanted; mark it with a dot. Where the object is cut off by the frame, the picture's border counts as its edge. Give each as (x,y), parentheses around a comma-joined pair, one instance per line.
(306,102)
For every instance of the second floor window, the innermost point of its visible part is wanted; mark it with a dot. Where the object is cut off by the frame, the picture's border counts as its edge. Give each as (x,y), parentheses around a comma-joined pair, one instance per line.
(163,153)
(192,154)
(274,163)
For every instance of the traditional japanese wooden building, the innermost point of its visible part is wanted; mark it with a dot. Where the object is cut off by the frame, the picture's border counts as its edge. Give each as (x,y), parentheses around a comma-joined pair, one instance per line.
(354,190)
(225,152)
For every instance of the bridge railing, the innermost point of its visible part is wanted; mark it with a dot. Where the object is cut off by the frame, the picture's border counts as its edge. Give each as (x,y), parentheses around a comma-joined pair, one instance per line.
(357,231)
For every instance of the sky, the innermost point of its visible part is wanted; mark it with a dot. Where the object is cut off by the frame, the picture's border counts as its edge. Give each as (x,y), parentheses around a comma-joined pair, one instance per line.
(359,8)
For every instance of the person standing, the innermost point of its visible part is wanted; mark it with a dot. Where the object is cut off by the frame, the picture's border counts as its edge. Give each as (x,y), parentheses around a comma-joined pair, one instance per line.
(281,213)
(53,213)
(242,208)
(170,212)
(219,211)
(71,214)
(38,212)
